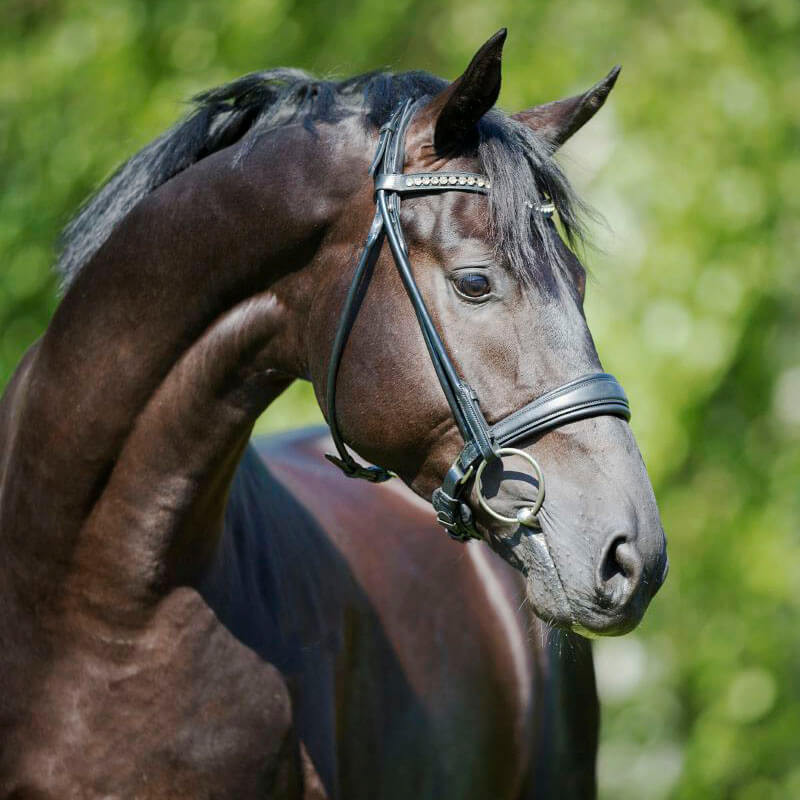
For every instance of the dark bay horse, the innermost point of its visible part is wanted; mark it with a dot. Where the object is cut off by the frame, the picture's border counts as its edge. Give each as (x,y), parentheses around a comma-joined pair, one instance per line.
(185,615)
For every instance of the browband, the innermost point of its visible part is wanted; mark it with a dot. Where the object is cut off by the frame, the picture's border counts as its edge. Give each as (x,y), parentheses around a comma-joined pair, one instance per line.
(410,183)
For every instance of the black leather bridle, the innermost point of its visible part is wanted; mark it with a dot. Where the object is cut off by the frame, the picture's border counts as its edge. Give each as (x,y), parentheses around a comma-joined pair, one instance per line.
(589,396)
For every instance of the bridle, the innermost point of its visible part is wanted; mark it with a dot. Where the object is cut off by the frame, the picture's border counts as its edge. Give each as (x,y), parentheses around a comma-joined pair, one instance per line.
(589,396)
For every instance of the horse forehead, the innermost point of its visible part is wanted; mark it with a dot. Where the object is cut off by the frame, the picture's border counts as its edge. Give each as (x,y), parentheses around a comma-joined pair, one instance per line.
(448,218)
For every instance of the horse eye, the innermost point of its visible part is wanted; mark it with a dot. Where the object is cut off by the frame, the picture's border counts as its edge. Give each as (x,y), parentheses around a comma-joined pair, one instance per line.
(473,285)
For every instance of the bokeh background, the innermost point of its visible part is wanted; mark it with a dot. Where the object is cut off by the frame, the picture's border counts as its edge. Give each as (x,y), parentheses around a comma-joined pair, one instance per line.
(695,300)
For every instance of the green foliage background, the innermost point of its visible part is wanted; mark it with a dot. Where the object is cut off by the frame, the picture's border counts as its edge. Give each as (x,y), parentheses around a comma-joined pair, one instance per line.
(695,164)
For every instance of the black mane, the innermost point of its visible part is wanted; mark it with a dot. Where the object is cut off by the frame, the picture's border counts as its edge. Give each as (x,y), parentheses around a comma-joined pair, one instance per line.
(516,161)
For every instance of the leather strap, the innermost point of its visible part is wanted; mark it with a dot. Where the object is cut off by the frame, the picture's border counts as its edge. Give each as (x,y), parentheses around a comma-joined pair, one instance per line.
(352,302)
(461,398)
(590,396)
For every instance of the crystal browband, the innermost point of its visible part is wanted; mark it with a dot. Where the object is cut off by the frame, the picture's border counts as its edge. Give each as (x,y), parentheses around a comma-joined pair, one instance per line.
(420,182)
(545,209)
(430,181)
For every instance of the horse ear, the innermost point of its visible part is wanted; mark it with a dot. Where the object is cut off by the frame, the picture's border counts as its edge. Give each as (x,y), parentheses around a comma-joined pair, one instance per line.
(555,122)
(456,110)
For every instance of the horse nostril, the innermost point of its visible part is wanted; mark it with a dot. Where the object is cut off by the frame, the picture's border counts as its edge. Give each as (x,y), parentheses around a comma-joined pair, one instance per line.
(619,571)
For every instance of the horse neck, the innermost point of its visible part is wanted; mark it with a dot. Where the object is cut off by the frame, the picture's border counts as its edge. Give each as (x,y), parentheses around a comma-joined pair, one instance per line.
(142,393)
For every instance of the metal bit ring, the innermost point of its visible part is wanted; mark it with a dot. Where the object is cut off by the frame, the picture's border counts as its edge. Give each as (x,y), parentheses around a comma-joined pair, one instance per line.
(528,513)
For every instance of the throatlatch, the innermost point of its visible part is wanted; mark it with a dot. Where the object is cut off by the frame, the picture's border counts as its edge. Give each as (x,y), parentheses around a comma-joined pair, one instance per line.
(589,396)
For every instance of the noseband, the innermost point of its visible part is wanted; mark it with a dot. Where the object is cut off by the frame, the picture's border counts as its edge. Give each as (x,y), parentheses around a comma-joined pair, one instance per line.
(590,396)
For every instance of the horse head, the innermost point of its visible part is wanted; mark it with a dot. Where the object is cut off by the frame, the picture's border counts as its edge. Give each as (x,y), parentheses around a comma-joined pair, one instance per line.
(505,298)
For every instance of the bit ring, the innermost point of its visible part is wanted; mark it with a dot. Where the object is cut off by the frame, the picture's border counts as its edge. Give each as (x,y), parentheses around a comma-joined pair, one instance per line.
(528,512)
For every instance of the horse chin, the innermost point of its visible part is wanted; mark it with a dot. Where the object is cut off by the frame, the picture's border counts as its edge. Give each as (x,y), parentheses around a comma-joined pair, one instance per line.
(596,623)
(602,632)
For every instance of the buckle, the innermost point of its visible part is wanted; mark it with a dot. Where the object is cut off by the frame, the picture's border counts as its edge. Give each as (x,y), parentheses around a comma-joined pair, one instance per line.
(352,469)
(454,516)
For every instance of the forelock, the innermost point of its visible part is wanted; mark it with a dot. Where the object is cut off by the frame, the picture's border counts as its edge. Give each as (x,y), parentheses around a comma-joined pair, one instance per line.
(524,175)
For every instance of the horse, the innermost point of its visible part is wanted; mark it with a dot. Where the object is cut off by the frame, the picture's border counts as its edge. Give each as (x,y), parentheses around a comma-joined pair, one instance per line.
(189,614)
